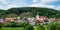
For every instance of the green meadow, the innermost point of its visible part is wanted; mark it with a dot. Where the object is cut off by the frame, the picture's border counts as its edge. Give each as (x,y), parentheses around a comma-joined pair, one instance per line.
(10,28)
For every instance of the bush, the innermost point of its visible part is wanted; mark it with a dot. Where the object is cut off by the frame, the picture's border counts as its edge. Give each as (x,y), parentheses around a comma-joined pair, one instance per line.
(40,27)
(26,23)
(15,24)
(0,25)
(29,27)
(20,24)
(10,24)
(54,26)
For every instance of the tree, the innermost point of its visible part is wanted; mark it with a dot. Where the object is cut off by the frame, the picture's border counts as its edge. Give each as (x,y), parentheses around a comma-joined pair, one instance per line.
(32,10)
(27,14)
(11,15)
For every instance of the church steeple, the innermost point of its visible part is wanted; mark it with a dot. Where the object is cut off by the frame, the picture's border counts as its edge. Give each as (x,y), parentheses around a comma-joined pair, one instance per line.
(37,16)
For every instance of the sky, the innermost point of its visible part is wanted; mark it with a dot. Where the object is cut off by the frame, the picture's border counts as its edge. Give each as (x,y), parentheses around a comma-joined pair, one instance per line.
(6,4)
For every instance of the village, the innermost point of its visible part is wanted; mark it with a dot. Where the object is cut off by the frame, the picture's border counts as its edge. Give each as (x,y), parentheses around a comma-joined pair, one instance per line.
(29,14)
(33,21)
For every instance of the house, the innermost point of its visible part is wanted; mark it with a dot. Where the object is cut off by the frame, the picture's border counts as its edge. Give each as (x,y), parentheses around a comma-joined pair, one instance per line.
(41,20)
(31,21)
(52,19)
(11,19)
(58,19)
(38,20)
(18,18)
(1,20)
(8,19)
(25,19)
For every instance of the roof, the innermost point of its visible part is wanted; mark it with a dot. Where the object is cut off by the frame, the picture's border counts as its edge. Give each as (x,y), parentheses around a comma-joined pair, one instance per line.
(41,16)
(58,19)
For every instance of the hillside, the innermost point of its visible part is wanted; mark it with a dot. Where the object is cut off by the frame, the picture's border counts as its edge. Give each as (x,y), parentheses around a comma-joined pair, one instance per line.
(32,10)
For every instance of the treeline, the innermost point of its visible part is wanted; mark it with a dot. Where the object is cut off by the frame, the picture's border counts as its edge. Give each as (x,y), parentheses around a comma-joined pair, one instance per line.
(32,10)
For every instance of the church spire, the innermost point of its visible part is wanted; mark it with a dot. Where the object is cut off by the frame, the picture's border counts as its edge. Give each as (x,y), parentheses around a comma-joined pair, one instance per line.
(37,16)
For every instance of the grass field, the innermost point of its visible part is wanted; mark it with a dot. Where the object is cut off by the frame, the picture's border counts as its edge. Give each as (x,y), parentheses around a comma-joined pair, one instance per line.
(9,28)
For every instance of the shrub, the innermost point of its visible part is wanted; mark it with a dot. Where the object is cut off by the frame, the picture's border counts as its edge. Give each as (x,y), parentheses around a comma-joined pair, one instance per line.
(20,24)
(0,25)
(10,24)
(58,26)
(26,23)
(15,24)
(40,27)
(54,26)
(29,27)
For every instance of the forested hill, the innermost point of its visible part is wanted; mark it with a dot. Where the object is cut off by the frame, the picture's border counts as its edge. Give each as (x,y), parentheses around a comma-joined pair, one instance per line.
(32,12)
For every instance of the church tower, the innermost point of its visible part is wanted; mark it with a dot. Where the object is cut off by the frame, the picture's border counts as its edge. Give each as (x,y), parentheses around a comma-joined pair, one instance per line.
(37,16)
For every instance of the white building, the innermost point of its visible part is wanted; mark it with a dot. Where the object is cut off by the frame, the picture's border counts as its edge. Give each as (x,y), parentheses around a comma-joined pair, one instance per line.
(31,21)
(1,20)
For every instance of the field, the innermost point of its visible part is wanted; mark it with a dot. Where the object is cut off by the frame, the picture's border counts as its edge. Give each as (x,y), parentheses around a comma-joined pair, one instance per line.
(9,28)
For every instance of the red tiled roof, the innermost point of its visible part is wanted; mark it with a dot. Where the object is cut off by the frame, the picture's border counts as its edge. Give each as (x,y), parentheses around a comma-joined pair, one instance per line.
(58,19)
(42,17)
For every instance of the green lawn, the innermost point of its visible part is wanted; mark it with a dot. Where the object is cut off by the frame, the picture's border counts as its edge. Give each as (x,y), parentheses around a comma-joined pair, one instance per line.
(9,28)
(35,27)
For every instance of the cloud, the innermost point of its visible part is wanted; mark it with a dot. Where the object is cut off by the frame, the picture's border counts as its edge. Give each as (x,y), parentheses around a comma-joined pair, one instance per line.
(45,6)
(42,5)
(0,7)
(3,1)
(11,6)
(48,1)
(57,7)
(6,4)
(35,1)
(45,1)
